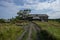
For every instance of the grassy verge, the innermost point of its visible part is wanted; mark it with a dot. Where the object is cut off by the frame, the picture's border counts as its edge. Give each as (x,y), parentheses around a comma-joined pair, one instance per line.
(33,35)
(51,27)
(10,31)
(25,36)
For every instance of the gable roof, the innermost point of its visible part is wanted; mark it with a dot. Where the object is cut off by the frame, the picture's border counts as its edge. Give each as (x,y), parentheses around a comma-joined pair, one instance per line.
(38,15)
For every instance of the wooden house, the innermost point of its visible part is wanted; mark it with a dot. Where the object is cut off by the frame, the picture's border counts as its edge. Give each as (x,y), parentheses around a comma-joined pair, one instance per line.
(41,17)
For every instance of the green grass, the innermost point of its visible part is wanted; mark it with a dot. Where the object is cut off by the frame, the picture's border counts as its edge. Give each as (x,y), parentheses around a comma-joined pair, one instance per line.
(25,36)
(10,31)
(33,35)
(51,27)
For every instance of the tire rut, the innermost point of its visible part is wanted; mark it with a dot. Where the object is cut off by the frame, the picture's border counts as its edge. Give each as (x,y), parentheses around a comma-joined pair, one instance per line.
(26,28)
(30,32)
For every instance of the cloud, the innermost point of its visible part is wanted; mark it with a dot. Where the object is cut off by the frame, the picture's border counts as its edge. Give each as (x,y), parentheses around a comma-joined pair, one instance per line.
(8,10)
(11,7)
(45,7)
(10,1)
(38,5)
(54,15)
(19,2)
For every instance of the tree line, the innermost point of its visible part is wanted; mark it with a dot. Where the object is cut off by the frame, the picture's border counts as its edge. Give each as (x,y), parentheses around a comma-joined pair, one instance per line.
(57,20)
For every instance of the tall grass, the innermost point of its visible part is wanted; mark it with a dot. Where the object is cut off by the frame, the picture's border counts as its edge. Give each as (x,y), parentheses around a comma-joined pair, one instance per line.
(10,31)
(51,27)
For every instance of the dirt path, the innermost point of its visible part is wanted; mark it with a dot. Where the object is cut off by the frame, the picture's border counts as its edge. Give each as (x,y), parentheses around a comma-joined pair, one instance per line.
(40,34)
(30,33)
(29,28)
(37,30)
(26,28)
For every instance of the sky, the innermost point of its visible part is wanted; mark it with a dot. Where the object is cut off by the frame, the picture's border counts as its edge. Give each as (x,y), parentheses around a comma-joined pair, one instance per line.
(9,8)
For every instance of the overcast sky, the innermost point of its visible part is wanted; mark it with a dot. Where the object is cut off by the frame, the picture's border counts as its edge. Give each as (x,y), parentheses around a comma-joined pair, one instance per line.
(9,8)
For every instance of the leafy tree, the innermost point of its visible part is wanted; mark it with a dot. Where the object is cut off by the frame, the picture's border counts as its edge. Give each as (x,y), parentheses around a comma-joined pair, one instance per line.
(2,20)
(23,13)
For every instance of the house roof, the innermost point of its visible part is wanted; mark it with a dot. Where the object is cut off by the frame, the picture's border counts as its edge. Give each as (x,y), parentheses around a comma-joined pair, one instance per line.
(32,15)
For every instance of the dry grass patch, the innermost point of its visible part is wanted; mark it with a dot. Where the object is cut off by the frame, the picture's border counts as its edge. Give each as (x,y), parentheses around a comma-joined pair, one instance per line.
(10,31)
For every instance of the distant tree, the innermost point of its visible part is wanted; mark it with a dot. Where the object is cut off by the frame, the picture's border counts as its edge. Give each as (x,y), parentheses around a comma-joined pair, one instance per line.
(2,20)
(12,20)
(20,15)
(23,13)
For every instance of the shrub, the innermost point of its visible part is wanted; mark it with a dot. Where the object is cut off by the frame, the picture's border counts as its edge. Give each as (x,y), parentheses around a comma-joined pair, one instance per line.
(2,21)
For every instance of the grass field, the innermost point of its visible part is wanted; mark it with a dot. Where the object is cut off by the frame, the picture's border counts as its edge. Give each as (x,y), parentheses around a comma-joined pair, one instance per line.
(10,31)
(51,27)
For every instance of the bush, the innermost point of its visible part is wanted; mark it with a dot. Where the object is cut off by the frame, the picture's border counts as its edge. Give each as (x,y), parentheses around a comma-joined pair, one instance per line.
(2,21)
(57,20)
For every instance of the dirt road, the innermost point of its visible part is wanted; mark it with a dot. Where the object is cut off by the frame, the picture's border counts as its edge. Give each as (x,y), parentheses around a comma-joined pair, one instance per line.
(34,32)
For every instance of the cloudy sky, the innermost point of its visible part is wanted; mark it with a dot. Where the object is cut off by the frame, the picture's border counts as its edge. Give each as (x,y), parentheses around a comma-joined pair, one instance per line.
(9,8)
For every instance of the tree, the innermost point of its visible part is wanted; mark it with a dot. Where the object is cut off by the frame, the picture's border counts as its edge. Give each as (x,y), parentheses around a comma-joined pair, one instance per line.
(23,13)
(2,20)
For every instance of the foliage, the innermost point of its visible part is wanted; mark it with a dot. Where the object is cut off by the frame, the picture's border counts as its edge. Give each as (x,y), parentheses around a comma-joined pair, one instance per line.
(57,20)
(51,26)
(2,21)
(10,31)
(12,20)
(23,13)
